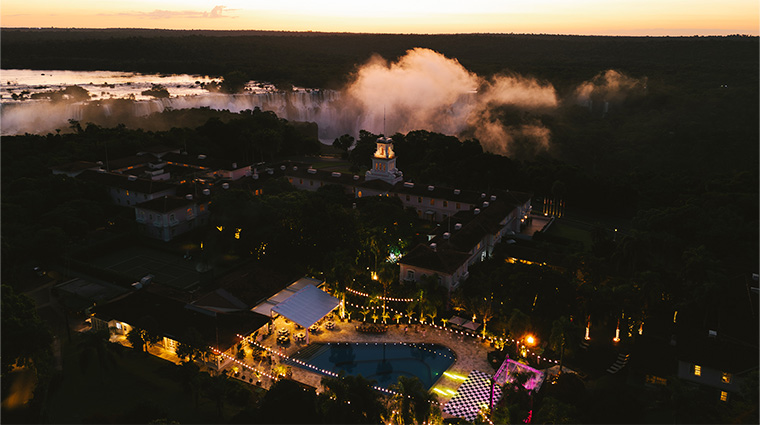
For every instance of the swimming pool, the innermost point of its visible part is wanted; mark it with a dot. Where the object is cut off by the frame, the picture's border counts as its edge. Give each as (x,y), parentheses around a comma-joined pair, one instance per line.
(381,362)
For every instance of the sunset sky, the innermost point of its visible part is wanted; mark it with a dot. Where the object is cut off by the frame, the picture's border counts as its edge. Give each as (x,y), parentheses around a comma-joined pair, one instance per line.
(604,17)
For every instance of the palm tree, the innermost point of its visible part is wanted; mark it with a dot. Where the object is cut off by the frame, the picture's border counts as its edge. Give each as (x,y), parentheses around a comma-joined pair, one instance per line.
(412,404)
(364,313)
(386,316)
(410,311)
(563,332)
(432,313)
(398,317)
(374,318)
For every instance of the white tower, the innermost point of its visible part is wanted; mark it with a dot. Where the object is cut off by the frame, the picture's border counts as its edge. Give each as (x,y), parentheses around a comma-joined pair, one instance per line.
(384,163)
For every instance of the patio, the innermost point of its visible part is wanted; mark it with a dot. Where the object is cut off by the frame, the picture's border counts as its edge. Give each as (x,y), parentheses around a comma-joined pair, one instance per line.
(287,338)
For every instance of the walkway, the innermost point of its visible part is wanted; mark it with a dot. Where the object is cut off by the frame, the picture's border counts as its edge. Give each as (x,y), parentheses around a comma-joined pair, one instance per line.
(470,353)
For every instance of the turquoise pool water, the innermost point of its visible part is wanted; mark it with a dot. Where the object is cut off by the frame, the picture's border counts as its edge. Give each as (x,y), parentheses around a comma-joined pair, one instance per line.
(383,363)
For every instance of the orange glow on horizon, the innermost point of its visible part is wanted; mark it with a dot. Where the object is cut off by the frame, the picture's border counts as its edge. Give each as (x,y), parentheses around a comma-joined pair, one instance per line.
(588,17)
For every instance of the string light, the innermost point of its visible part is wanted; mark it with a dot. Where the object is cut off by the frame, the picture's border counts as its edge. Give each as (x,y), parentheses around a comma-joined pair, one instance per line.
(500,340)
(243,364)
(463,333)
(327,372)
(355,292)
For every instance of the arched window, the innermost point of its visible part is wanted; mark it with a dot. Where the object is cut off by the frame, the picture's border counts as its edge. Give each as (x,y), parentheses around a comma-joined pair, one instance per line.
(410,274)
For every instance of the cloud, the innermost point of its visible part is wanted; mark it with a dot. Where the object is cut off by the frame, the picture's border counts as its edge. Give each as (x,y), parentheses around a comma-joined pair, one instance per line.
(216,12)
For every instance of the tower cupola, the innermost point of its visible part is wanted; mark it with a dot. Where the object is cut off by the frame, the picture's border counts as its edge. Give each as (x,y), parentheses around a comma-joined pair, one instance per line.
(384,163)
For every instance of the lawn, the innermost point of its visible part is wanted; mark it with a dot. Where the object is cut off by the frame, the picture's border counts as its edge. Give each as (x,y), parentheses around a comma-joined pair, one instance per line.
(568,231)
(132,388)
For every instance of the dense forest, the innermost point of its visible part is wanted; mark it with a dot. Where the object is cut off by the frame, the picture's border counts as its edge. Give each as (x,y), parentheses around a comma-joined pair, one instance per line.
(677,163)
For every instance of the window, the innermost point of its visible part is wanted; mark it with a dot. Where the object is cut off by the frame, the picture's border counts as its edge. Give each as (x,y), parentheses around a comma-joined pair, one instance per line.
(203,208)
(410,274)
(725,378)
(458,206)
(189,213)
(290,179)
(432,201)
(419,199)
(723,396)
(697,370)
(300,181)
(359,195)
(127,192)
(172,218)
(445,204)
(407,197)
(311,182)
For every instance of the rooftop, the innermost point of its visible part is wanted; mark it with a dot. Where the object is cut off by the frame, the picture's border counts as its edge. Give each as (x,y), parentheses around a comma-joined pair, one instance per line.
(166,204)
(122,181)
(444,260)
(180,321)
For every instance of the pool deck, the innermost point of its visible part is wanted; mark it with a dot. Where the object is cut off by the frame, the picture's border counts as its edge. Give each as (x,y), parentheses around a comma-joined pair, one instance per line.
(471,353)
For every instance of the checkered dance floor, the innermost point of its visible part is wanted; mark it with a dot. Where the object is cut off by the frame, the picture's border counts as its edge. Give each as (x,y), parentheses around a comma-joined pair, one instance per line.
(474,393)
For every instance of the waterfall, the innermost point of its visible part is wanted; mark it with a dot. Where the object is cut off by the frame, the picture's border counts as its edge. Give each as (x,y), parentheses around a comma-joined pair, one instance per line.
(320,106)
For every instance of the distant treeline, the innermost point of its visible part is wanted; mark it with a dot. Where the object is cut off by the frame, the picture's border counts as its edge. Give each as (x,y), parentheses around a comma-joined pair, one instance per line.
(325,60)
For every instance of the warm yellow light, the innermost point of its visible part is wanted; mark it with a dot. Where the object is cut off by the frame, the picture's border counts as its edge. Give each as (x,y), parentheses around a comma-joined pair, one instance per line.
(587,337)
(697,370)
(374,275)
(220,228)
(439,391)
(454,376)
(530,340)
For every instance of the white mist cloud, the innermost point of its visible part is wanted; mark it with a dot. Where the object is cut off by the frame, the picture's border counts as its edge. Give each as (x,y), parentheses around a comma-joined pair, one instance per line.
(426,90)
(609,86)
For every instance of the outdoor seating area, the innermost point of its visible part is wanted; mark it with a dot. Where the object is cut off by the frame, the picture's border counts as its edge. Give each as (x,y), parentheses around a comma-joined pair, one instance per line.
(283,336)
